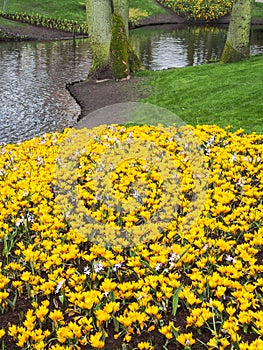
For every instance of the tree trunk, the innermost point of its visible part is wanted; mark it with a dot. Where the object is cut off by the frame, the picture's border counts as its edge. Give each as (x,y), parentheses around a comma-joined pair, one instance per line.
(112,53)
(121,8)
(237,43)
(99,13)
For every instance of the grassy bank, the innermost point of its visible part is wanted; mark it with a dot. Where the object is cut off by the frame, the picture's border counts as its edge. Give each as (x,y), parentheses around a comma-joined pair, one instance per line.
(75,10)
(149,6)
(10,25)
(71,9)
(228,94)
(257,10)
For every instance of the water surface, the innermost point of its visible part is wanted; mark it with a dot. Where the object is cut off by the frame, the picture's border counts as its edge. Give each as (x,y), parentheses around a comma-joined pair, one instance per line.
(33,98)
(170,46)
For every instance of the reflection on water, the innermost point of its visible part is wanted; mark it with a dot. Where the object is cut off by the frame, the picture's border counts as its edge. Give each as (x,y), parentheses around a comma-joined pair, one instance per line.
(256,40)
(171,46)
(33,98)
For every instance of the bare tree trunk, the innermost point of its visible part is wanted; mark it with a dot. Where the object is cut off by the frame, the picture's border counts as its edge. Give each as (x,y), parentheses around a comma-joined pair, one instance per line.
(237,43)
(112,53)
(99,20)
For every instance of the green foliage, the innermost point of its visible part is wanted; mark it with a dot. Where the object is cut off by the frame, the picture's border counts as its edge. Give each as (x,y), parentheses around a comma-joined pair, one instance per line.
(204,10)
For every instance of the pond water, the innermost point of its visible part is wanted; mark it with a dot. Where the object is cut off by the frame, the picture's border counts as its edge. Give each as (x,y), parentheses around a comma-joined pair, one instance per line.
(162,47)
(33,98)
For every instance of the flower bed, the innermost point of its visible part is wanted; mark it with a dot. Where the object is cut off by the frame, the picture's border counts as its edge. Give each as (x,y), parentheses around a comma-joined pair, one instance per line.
(47,22)
(136,15)
(6,36)
(203,10)
(194,288)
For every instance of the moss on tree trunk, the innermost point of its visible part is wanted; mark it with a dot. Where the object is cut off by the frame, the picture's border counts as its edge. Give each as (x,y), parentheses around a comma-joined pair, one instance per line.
(112,53)
(237,43)
(123,58)
(230,54)
(121,8)
(119,49)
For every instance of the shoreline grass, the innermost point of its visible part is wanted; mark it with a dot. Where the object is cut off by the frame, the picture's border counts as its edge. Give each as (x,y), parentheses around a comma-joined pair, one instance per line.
(75,10)
(71,10)
(229,94)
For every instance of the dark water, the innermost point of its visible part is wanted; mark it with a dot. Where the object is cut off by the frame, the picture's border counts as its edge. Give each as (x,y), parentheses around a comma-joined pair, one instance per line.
(162,47)
(33,98)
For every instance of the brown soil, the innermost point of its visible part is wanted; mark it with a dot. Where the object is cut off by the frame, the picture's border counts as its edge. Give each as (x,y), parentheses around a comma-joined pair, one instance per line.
(93,95)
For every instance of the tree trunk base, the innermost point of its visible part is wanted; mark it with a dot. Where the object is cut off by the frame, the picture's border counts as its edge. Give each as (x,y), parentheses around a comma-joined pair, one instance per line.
(123,58)
(101,74)
(231,55)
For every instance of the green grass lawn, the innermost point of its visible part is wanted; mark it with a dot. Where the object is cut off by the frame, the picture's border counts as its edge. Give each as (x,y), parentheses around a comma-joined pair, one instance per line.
(74,9)
(10,25)
(71,9)
(229,94)
(147,5)
(257,10)
(68,9)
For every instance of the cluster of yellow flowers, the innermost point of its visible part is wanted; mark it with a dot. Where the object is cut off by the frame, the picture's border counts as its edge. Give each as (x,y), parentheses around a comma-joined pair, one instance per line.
(127,184)
(206,10)
(196,286)
(135,15)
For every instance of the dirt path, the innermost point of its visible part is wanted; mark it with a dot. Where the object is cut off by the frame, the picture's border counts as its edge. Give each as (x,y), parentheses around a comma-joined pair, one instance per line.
(92,96)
